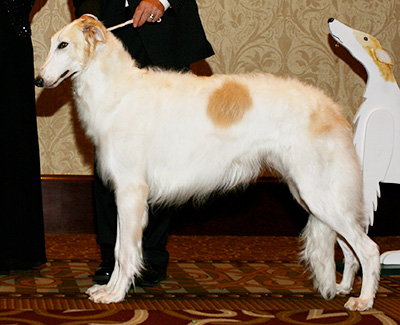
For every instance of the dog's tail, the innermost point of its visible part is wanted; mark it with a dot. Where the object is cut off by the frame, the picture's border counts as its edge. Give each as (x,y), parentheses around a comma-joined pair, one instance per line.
(318,243)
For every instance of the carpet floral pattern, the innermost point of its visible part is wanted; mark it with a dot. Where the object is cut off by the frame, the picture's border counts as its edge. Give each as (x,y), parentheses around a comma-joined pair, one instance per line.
(94,317)
(208,282)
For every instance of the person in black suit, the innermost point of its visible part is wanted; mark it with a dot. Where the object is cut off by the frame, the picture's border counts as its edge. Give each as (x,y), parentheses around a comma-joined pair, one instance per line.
(167,34)
(22,242)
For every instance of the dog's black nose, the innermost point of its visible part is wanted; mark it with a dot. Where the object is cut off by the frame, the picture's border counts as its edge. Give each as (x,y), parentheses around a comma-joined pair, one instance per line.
(39,82)
(330,20)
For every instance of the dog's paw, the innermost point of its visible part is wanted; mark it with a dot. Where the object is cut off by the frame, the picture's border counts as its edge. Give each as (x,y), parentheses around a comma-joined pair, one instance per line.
(328,292)
(100,294)
(359,304)
(343,290)
(93,289)
(106,297)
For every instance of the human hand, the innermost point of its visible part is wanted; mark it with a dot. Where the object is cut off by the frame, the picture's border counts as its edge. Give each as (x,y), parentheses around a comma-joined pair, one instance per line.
(148,10)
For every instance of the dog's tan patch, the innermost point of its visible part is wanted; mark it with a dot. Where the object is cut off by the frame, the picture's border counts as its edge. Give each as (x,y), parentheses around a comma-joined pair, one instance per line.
(228,104)
(371,44)
(326,119)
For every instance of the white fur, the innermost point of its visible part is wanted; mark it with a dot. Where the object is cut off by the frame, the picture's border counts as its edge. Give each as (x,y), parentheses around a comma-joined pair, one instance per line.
(155,142)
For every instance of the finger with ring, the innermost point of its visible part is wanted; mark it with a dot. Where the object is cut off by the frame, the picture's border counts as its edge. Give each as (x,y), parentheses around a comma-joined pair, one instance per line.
(151,16)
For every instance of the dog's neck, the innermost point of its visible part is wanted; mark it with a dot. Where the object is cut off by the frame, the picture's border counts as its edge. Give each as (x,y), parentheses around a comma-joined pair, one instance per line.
(109,62)
(95,87)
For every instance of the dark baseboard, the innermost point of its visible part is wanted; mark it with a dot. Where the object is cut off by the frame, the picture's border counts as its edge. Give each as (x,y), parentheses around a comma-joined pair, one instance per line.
(68,204)
(265,208)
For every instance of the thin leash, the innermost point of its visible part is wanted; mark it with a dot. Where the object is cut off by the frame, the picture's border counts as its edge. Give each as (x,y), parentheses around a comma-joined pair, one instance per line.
(130,21)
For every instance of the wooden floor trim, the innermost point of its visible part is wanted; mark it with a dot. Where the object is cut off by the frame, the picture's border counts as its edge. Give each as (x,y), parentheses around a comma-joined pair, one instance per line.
(66,178)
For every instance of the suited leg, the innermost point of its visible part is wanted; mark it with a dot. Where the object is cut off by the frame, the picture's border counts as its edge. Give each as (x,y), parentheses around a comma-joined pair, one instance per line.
(106,216)
(155,237)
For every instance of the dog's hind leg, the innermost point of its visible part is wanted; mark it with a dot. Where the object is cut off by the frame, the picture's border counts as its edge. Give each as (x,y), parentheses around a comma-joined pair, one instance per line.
(351,266)
(317,249)
(365,249)
(333,193)
(132,210)
(318,254)
(368,254)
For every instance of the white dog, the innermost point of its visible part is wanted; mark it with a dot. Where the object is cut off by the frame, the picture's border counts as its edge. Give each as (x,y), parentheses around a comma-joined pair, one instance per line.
(168,137)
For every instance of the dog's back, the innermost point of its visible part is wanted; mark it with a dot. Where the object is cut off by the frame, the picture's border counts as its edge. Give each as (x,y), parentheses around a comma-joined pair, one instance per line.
(235,125)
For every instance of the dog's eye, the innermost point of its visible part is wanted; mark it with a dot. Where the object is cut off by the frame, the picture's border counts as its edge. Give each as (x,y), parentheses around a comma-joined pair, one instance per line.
(62,45)
(365,38)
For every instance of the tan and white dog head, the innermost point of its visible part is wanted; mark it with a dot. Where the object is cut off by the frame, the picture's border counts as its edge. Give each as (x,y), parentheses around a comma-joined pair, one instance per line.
(362,46)
(70,50)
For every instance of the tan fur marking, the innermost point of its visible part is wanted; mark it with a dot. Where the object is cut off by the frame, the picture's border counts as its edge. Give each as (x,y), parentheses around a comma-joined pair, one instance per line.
(228,104)
(94,31)
(325,120)
(370,46)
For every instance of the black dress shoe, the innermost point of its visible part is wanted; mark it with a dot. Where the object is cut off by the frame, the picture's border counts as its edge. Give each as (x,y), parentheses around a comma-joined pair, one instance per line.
(103,273)
(151,276)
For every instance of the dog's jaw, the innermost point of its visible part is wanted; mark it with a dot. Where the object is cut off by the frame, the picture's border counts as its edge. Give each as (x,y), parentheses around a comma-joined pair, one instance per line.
(41,82)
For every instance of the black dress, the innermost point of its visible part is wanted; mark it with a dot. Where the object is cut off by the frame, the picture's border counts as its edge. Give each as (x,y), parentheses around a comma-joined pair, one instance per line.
(22,243)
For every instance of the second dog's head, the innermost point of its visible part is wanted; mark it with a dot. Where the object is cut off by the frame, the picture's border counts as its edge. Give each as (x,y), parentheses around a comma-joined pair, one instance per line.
(364,47)
(71,49)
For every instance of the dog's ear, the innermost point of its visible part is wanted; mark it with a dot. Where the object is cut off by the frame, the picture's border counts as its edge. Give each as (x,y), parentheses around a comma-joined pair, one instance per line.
(93,29)
(383,56)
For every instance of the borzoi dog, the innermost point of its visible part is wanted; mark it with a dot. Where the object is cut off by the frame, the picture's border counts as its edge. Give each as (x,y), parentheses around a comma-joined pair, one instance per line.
(167,137)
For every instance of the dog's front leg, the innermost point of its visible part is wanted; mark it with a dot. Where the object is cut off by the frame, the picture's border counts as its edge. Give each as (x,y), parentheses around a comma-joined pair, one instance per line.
(132,217)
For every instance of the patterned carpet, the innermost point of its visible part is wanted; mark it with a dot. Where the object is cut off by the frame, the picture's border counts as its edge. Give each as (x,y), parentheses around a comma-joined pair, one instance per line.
(246,280)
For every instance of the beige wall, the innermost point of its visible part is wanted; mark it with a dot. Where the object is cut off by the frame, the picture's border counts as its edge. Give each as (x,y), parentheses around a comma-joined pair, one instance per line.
(285,37)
